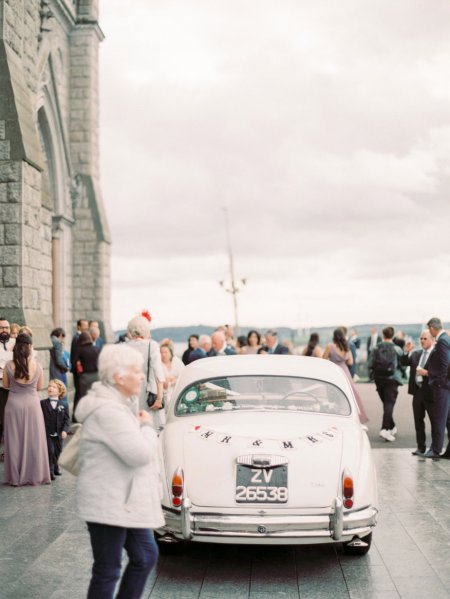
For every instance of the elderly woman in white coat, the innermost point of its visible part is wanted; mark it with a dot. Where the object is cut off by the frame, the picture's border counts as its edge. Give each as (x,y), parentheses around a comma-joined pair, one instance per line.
(118,492)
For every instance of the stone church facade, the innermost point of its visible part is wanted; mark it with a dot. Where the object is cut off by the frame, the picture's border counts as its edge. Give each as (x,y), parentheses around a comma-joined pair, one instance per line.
(54,237)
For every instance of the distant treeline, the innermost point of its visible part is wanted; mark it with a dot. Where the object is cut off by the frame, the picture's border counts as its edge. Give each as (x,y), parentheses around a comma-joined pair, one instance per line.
(298,337)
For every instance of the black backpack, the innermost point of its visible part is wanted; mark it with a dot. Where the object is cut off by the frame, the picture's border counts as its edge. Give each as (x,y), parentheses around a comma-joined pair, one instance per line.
(385,360)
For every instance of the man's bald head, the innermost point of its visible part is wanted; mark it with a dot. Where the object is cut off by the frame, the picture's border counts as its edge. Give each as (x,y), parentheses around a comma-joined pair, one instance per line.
(218,340)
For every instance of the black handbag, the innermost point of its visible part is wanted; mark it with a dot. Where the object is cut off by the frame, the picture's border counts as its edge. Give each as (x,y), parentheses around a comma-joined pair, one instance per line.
(151,398)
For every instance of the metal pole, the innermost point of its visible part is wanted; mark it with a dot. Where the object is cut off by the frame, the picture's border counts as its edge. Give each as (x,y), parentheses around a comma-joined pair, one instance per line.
(234,289)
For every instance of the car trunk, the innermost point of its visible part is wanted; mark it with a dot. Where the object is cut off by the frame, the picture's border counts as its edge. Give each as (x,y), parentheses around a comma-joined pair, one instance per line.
(311,445)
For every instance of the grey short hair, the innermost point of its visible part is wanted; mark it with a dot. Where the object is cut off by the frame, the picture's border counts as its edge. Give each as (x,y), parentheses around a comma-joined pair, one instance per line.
(204,339)
(139,327)
(272,332)
(435,323)
(116,359)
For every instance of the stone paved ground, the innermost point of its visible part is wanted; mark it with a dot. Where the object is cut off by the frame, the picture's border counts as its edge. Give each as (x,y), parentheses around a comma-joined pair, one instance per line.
(45,553)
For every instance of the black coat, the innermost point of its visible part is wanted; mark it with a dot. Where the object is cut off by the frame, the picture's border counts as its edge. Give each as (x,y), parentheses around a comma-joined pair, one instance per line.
(412,360)
(61,422)
(438,363)
(279,350)
(88,356)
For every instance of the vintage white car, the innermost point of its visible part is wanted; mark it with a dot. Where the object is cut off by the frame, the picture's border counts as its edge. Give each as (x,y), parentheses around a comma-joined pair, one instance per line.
(266,449)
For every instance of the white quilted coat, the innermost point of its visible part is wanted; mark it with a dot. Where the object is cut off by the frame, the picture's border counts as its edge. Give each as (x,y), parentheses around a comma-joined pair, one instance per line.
(119,481)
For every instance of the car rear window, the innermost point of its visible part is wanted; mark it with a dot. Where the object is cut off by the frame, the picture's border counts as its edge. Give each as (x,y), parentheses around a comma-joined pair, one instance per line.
(262,393)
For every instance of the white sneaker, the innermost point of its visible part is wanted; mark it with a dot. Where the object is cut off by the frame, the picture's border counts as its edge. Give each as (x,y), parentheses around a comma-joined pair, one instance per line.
(393,431)
(386,435)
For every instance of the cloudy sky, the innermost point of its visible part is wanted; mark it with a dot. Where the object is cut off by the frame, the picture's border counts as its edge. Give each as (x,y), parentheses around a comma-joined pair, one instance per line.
(324,129)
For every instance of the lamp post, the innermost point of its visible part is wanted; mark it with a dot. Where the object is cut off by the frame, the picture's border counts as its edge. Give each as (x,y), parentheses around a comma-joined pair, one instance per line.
(233,288)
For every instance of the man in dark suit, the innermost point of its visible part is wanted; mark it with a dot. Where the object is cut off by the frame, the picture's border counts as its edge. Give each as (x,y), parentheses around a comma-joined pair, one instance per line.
(272,346)
(219,345)
(437,372)
(202,351)
(57,424)
(418,386)
(82,327)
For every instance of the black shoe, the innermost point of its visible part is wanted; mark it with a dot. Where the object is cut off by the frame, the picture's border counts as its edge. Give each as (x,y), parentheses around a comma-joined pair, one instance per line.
(419,452)
(58,472)
(445,455)
(430,454)
(52,476)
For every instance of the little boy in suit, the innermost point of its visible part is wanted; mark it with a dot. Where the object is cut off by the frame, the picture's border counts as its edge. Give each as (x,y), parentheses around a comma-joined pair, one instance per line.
(57,422)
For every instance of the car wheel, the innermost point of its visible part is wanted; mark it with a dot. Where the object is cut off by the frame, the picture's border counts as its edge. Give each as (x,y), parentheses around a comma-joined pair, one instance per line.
(354,548)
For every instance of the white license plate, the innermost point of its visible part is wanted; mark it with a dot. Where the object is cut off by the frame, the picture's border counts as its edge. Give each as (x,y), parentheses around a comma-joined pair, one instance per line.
(261,485)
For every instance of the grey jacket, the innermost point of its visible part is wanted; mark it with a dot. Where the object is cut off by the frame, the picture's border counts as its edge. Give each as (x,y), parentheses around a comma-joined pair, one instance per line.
(119,481)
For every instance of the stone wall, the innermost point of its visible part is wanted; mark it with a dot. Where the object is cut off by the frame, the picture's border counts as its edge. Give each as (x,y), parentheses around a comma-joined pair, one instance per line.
(53,225)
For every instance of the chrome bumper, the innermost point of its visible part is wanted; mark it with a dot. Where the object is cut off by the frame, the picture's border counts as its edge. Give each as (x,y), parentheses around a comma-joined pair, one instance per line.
(282,529)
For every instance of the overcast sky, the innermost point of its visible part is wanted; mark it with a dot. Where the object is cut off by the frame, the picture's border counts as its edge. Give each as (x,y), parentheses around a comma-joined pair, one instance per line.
(322,126)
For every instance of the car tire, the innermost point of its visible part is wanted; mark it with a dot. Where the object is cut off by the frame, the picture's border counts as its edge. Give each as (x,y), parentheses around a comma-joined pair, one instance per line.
(352,550)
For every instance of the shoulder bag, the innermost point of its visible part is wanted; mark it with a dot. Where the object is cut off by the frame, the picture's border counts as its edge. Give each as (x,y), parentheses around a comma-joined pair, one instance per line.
(70,456)
(151,397)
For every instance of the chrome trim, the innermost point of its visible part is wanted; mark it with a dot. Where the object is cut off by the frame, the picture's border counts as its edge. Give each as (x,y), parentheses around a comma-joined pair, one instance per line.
(260,460)
(186,530)
(337,519)
(332,527)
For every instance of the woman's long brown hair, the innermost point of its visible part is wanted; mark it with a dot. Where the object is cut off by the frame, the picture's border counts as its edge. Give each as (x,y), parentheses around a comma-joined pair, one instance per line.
(21,355)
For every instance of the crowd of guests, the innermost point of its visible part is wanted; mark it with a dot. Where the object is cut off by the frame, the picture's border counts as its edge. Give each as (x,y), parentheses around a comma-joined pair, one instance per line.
(33,430)
(120,393)
(392,360)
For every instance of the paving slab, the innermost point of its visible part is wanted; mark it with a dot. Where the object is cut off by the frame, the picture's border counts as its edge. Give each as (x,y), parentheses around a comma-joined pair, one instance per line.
(45,551)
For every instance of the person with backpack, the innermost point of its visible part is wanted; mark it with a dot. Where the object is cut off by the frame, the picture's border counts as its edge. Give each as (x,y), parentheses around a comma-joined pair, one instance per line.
(384,369)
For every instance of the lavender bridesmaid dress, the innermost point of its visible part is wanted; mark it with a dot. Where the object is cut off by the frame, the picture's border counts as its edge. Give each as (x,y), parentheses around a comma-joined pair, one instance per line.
(336,358)
(26,455)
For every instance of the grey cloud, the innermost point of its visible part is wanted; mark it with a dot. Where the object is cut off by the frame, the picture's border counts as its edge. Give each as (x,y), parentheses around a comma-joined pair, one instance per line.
(322,127)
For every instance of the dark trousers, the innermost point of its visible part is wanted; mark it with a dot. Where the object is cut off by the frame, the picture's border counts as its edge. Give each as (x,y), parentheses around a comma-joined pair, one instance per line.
(387,389)
(3,400)
(77,396)
(107,544)
(440,418)
(421,405)
(54,446)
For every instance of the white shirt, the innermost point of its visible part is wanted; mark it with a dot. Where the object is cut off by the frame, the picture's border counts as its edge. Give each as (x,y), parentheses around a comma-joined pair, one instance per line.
(6,355)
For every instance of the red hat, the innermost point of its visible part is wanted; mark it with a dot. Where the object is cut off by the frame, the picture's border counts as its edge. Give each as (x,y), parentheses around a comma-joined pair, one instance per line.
(146,314)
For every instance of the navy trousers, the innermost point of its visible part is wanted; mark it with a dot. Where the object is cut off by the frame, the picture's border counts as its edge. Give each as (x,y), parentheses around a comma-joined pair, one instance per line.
(107,544)
(440,418)
(422,404)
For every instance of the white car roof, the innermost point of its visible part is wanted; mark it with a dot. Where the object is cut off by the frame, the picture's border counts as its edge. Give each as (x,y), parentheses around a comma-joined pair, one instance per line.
(276,365)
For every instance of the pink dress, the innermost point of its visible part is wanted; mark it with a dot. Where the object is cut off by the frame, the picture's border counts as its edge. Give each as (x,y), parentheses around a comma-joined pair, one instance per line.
(335,357)
(26,455)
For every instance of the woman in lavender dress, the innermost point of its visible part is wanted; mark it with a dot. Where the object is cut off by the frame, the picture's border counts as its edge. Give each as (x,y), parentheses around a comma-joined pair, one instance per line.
(339,353)
(26,458)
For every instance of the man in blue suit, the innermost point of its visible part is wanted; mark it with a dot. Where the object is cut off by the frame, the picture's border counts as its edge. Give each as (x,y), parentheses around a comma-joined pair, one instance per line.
(272,346)
(437,372)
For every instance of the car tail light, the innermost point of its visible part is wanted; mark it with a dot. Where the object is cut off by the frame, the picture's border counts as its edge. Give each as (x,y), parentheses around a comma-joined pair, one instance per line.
(347,489)
(177,487)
